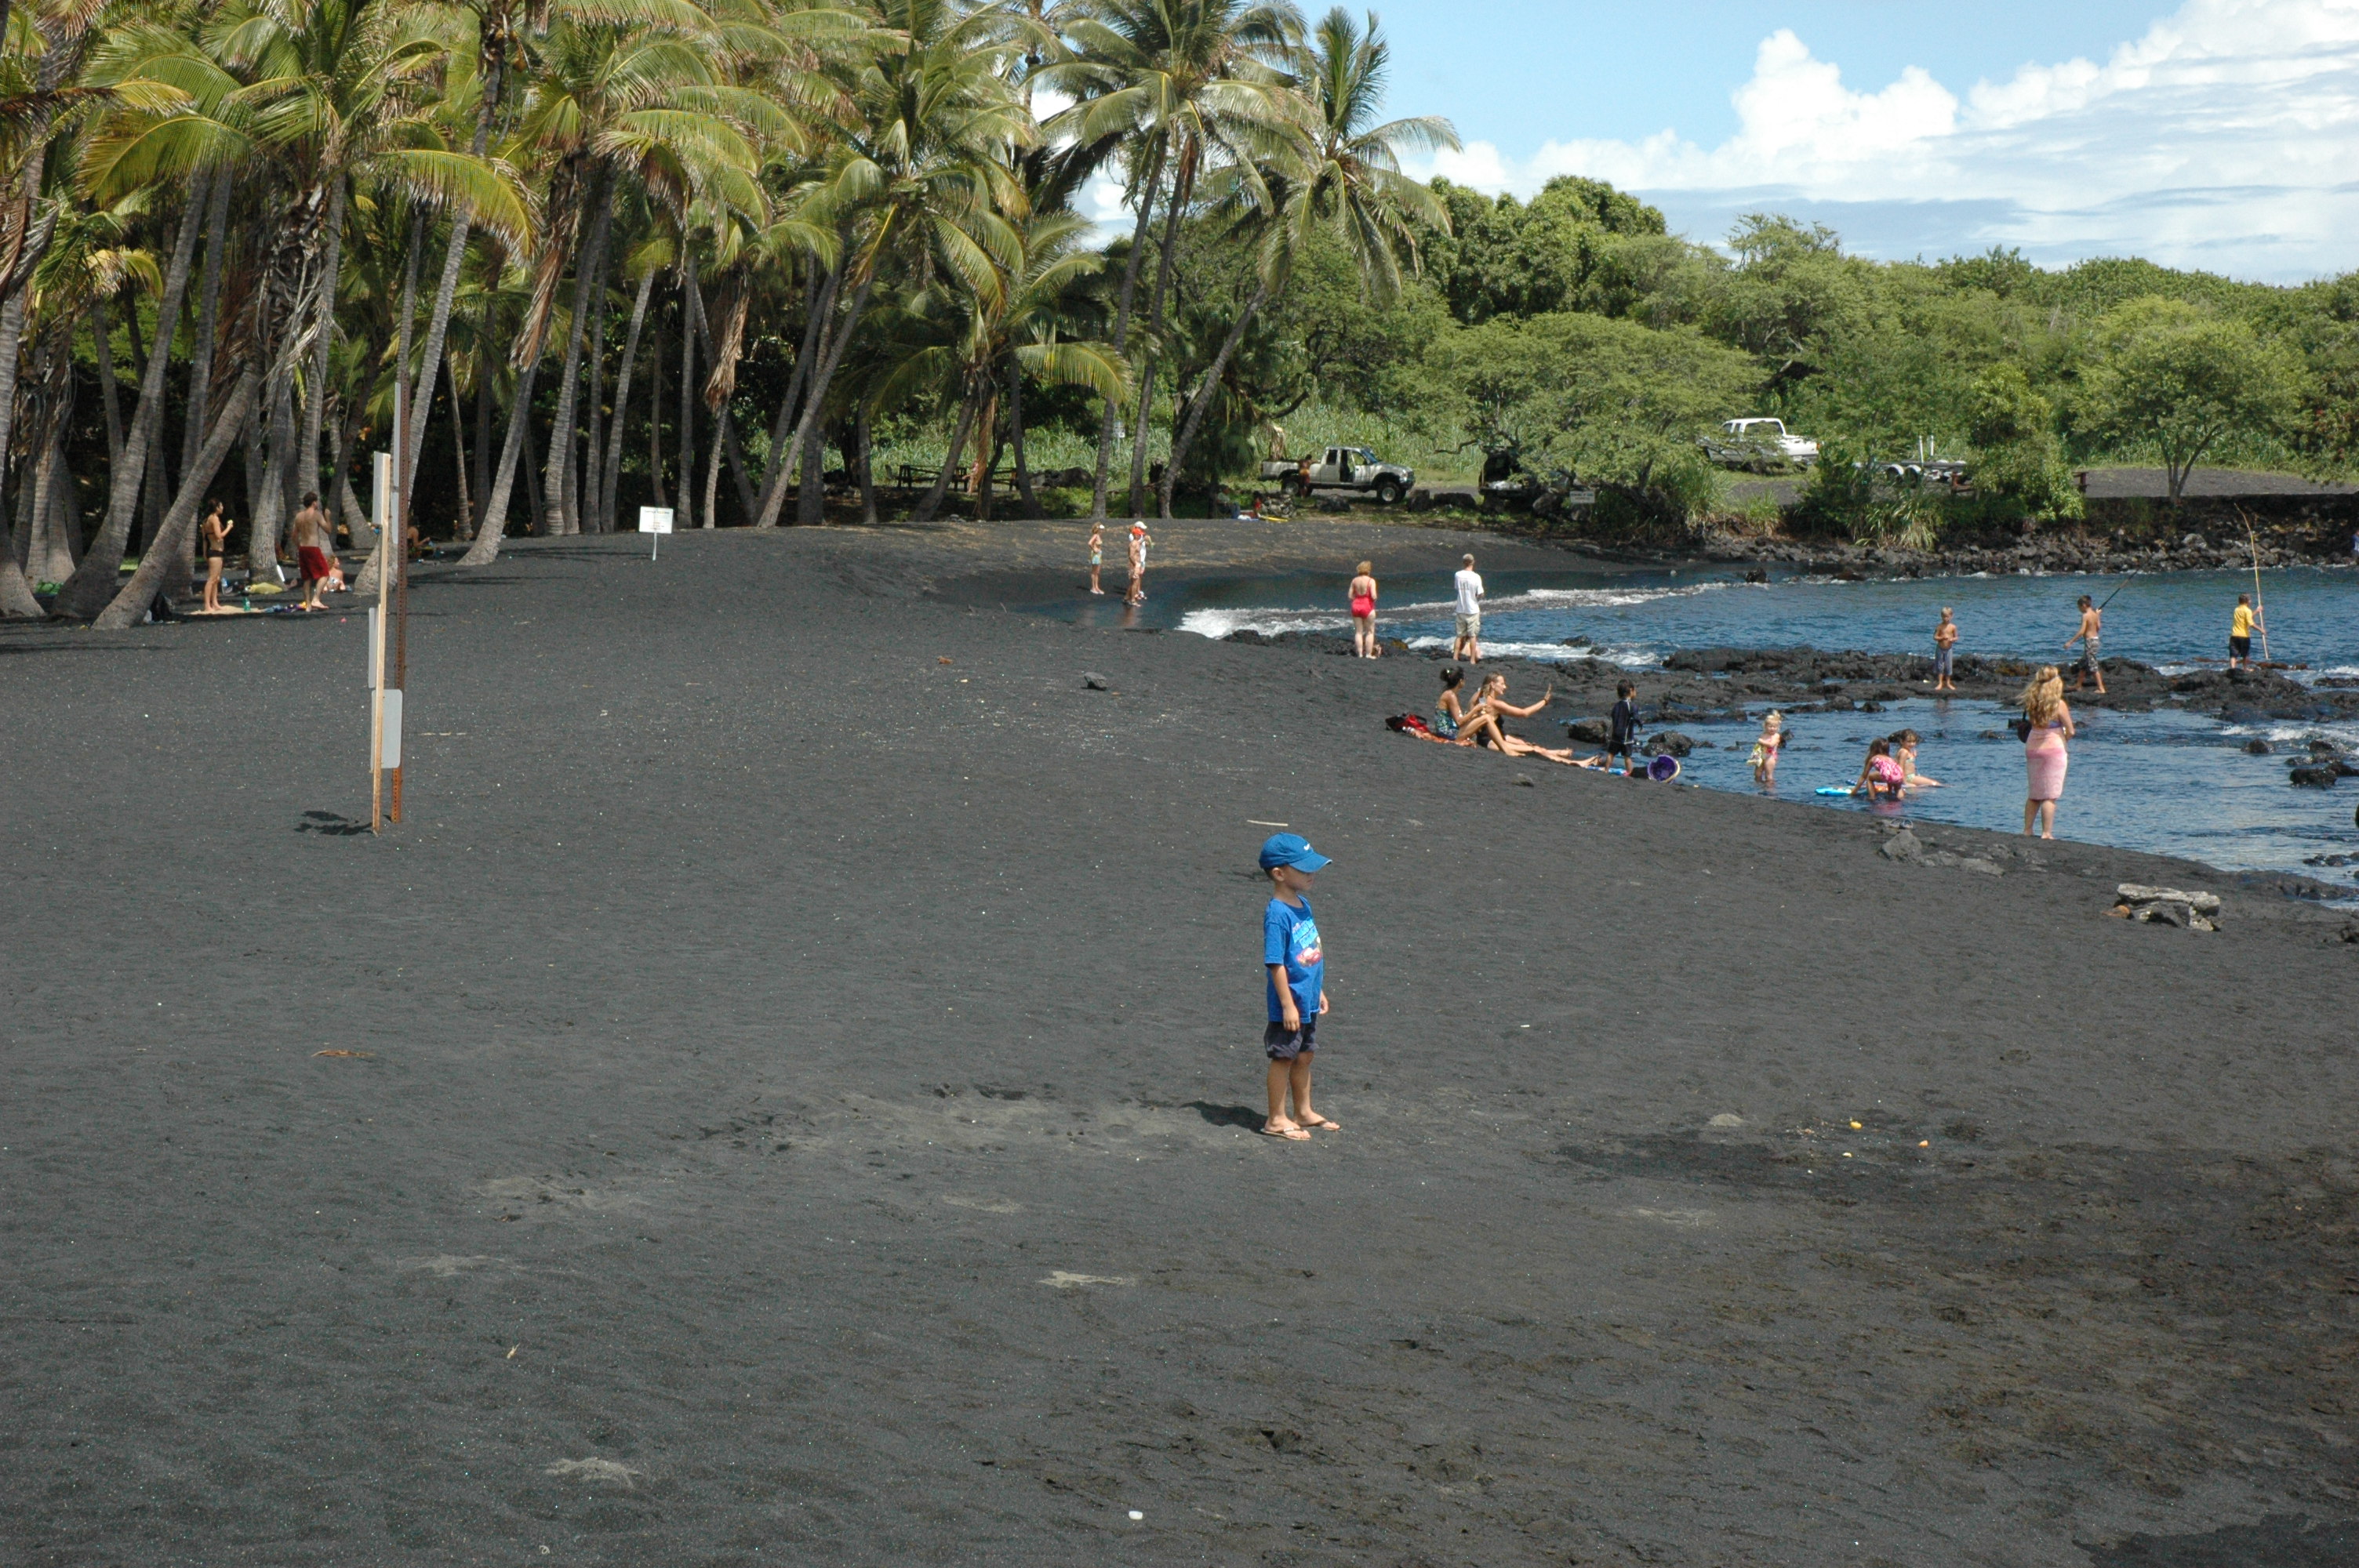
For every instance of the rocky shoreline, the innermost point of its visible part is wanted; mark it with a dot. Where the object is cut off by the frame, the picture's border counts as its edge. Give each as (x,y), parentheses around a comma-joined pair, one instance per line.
(2194,548)
(1727,683)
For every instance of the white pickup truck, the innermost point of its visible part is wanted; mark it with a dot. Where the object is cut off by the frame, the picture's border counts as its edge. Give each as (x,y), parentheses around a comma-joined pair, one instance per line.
(1342,468)
(1755,443)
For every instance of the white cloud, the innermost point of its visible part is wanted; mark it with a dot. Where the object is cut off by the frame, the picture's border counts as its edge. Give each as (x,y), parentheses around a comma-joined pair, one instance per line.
(2226,137)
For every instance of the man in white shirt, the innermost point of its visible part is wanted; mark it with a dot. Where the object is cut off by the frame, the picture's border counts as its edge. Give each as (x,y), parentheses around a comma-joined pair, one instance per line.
(1469,645)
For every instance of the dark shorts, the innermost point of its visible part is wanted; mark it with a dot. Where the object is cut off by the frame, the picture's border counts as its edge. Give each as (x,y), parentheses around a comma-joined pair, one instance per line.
(1617,749)
(2240,647)
(316,565)
(1285,1044)
(1941,662)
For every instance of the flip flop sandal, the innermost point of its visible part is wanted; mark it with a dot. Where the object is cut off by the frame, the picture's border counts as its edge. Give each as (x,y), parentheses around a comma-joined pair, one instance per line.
(1323,1125)
(1291,1134)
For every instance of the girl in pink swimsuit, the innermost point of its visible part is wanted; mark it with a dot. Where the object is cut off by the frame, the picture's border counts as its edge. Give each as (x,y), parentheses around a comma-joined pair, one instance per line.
(2044,756)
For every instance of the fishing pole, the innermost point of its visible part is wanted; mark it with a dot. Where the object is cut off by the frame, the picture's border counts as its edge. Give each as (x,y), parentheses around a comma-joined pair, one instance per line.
(2109,598)
(2252,541)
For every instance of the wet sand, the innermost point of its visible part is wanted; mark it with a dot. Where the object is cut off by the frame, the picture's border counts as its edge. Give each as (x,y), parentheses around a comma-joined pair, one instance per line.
(806,1044)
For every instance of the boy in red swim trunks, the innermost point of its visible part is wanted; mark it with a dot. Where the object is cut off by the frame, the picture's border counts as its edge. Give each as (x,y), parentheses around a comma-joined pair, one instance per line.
(309,532)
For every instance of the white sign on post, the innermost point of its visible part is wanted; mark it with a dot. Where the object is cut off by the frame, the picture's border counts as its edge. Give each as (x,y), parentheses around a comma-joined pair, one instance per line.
(380,491)
(656,520)
(391,757)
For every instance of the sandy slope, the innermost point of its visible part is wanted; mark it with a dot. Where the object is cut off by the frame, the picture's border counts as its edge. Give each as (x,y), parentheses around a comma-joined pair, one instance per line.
(805,1120)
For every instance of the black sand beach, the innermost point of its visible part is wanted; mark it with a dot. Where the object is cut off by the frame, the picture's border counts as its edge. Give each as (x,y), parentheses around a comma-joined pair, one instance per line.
(807,1050)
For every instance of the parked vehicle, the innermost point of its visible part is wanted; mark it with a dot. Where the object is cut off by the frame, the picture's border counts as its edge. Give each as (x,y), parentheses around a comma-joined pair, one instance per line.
(1759,444)
(1342,468)
(1558,493)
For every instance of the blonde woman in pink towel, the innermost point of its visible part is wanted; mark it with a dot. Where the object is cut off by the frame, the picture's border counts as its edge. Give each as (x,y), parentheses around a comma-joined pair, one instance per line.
(2045,726)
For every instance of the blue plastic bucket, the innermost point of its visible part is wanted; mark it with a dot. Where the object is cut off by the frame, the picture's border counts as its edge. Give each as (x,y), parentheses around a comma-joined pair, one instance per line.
(1663,769)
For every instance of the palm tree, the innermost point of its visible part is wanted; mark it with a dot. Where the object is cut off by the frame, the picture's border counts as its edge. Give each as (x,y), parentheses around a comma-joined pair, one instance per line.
(1189,84)
(916,187)
(984,341)
(1345,176)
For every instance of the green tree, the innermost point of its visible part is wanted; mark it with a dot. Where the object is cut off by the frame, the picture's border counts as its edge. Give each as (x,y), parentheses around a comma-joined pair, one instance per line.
(1341,175)
(2016,453)
(1619,406)
(2182,380)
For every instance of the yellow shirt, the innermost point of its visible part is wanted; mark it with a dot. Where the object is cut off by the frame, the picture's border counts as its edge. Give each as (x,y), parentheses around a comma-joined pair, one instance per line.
(2243,624)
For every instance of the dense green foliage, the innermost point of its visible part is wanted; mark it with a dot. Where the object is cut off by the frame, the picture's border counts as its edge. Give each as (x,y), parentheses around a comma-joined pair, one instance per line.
(717,255)
(1571,332)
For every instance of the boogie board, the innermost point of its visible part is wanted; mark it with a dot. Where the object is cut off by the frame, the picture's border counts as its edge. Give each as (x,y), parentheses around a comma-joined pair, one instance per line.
(1833,789)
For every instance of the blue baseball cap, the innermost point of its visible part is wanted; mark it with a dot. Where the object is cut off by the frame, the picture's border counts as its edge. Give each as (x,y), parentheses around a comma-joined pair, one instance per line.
(1291,850)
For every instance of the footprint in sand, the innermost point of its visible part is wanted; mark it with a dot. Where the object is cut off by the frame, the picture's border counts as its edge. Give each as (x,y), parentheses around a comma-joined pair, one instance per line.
(594,1470)
(988,1206)
(443,1265)
(1062,1280)
(1685,1219)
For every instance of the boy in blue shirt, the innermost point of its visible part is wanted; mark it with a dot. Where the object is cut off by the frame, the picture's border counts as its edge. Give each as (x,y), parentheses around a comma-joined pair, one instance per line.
(1298,991)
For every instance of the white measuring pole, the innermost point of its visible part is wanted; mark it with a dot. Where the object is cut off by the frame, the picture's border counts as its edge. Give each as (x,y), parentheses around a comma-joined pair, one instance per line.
(387,527)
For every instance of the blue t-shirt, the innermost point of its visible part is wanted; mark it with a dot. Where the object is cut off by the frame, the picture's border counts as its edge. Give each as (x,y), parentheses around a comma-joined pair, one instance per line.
(1289,936)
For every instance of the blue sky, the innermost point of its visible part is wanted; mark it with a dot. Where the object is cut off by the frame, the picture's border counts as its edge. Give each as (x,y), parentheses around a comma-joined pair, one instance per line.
(2218,133)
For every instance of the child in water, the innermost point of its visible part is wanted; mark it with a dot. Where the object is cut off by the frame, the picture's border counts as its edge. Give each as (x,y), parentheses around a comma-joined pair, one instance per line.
(1880,777)
(1904,752)
(1771,740)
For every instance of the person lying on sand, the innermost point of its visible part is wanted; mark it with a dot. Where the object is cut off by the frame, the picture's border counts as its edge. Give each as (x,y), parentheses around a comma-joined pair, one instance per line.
(1480,726)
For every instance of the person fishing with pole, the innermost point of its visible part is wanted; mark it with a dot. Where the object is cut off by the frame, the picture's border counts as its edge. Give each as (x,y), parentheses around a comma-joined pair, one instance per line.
(2092,630)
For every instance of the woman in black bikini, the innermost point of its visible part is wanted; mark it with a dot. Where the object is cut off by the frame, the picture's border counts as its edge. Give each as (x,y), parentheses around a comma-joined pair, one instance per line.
(216,547)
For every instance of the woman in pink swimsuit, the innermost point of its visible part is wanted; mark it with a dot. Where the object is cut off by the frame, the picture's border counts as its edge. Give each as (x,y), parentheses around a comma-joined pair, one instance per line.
(1363,613)
(2044,757)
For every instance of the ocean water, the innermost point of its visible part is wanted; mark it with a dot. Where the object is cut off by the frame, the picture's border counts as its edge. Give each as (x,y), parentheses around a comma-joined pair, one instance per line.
(2171,782)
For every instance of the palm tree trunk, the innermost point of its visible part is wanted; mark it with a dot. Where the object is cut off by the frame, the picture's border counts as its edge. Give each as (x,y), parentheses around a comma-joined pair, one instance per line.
(554,486)
(16,600)
(487,547)
(1113,410)
(655,414)
(341,504)
(687,428)
(135,596)
(1182,439)
(459,451)
(102,332)
(270,509)
(611,476)
(782,454)
(1181,183)
(1016,438)
(593,444)
(486,400)
(200,350)
(52,559)
(932,501)
(94,580)
(315,404)
(62,58)
(863,462)
(810,495)
(374,567)
(153,486)
(724,427)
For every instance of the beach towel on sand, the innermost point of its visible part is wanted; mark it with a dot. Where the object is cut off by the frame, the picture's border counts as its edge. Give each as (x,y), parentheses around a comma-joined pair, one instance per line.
(1400,722)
